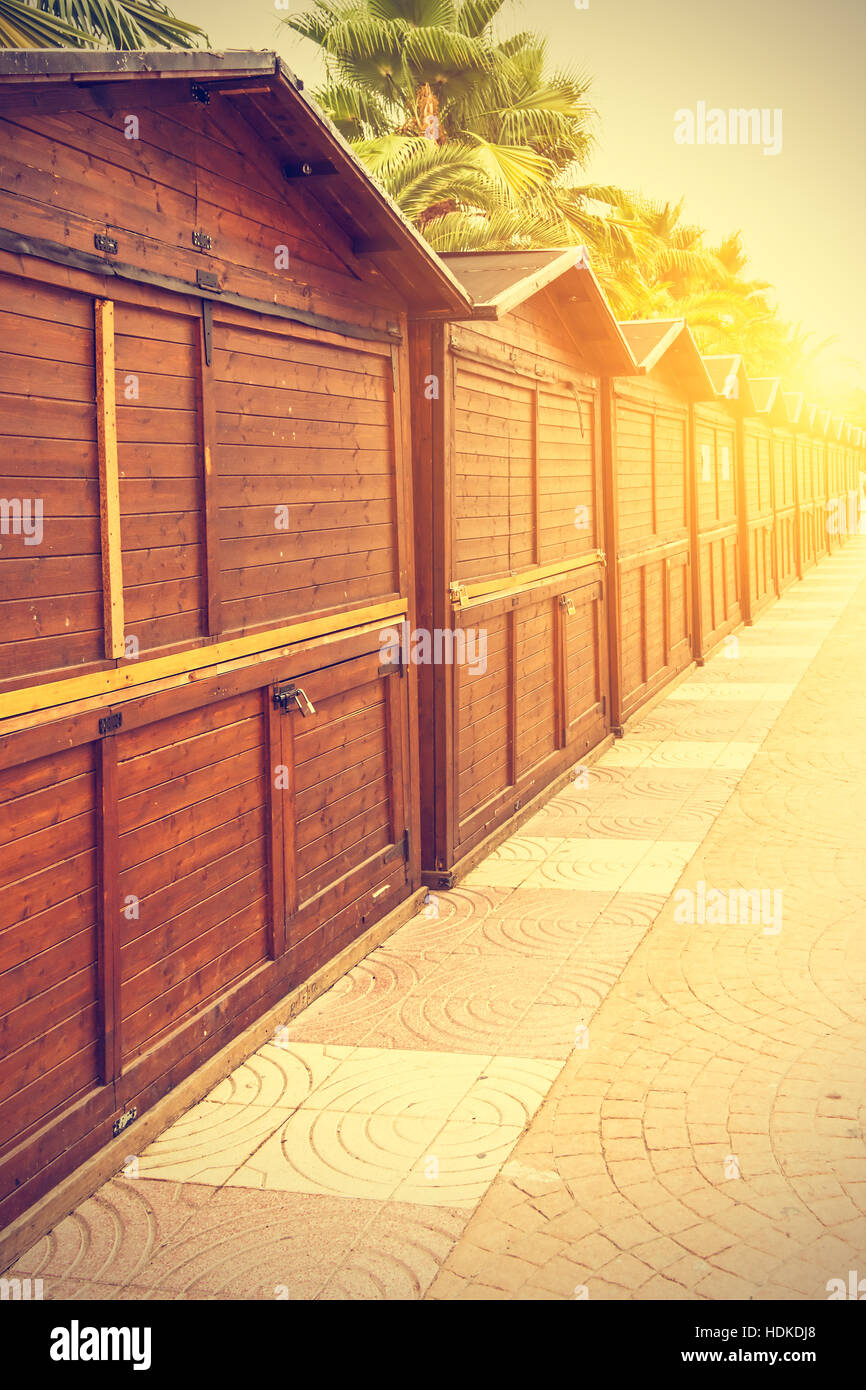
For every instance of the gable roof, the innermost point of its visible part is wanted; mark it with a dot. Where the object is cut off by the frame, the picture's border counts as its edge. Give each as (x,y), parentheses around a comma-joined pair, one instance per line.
(500,281)
(668,345)
(730,381)
(794,403)
(269,97)
(769,399)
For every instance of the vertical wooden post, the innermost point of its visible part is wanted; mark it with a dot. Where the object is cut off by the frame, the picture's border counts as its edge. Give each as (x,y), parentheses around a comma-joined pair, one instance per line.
(536,474)
(560,670)
(611,547)
(446,694)
(654,471)
(798,539)
(109,484)
(695,577)
(108,944)
(742,522)
(207,427)
(275,825)
(513,762)
(425,383)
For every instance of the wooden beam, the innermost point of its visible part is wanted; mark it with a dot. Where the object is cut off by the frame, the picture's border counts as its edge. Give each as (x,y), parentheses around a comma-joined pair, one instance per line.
(108,944)
(536,475)
(696,625)
(276,802)
(87,262)
(191,663)
(109,485)
(207,427)
(611,532)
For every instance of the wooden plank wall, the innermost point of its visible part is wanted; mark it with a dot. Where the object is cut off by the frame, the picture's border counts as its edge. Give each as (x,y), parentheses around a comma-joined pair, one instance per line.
(164,881)
(784,506)
(516,511)
(760,527)
(302,505)
(651,446)
(225,798)
(807,507)
(716,544)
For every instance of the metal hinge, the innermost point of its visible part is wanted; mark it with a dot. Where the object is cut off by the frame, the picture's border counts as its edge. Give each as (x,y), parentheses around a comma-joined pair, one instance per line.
(207,330)
(201,241)
(399,850)
(105,243)
(393,668)
(288,695)
(200,94)
(457,593)
(110,723)
(309,169)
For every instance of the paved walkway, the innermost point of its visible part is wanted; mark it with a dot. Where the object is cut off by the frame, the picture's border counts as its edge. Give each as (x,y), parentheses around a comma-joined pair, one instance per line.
(594,1069)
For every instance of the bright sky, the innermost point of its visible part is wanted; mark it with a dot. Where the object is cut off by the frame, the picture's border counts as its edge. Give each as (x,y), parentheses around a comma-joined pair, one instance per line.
(802,211)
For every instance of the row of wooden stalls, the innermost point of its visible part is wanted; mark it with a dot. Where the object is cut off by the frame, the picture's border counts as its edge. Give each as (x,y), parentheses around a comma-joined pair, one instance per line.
(606,505)
(256,438)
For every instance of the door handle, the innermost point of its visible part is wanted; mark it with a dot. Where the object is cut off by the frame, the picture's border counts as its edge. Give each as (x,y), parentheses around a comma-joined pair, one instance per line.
(293,693)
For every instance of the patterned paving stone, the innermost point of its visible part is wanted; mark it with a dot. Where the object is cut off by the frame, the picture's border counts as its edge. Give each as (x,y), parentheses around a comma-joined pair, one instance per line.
(403,1247)
(721,1095)
(338,1154)
(549,1084)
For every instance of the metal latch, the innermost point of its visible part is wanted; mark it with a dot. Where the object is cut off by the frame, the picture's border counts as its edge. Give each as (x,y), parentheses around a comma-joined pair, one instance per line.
(457,593)
(293,694)
(601,557)
(124,1121)
(567,602)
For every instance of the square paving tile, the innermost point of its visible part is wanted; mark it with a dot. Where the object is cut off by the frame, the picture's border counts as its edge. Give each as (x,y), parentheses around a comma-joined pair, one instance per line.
(209,1142)
(281,1075)
(461,1162)
(339,1154)
(378,1081)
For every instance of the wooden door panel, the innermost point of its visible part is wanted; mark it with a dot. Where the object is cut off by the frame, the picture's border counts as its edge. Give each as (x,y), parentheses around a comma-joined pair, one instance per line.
(344,826)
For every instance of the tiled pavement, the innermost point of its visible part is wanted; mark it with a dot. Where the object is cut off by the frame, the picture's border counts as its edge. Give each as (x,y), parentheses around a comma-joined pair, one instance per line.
(549,1084)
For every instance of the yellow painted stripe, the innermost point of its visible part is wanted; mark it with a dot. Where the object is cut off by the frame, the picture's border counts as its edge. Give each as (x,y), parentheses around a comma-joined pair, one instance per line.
(528,579)
(184,664)
(109,485)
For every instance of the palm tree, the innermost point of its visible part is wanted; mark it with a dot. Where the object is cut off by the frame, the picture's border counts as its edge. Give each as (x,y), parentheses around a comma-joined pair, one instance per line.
(127,24)
(431,70)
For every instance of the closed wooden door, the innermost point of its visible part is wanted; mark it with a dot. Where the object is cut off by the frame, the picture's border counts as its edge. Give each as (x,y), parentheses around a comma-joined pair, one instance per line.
(339,798)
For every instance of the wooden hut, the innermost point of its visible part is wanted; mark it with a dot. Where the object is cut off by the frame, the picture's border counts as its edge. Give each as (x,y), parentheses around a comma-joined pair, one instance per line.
(510,540)
(853,464)
(653,492)
(794,404)
(719,545)
(808,486)
(207,771)
(836,491)
(820,431)
(768,465)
